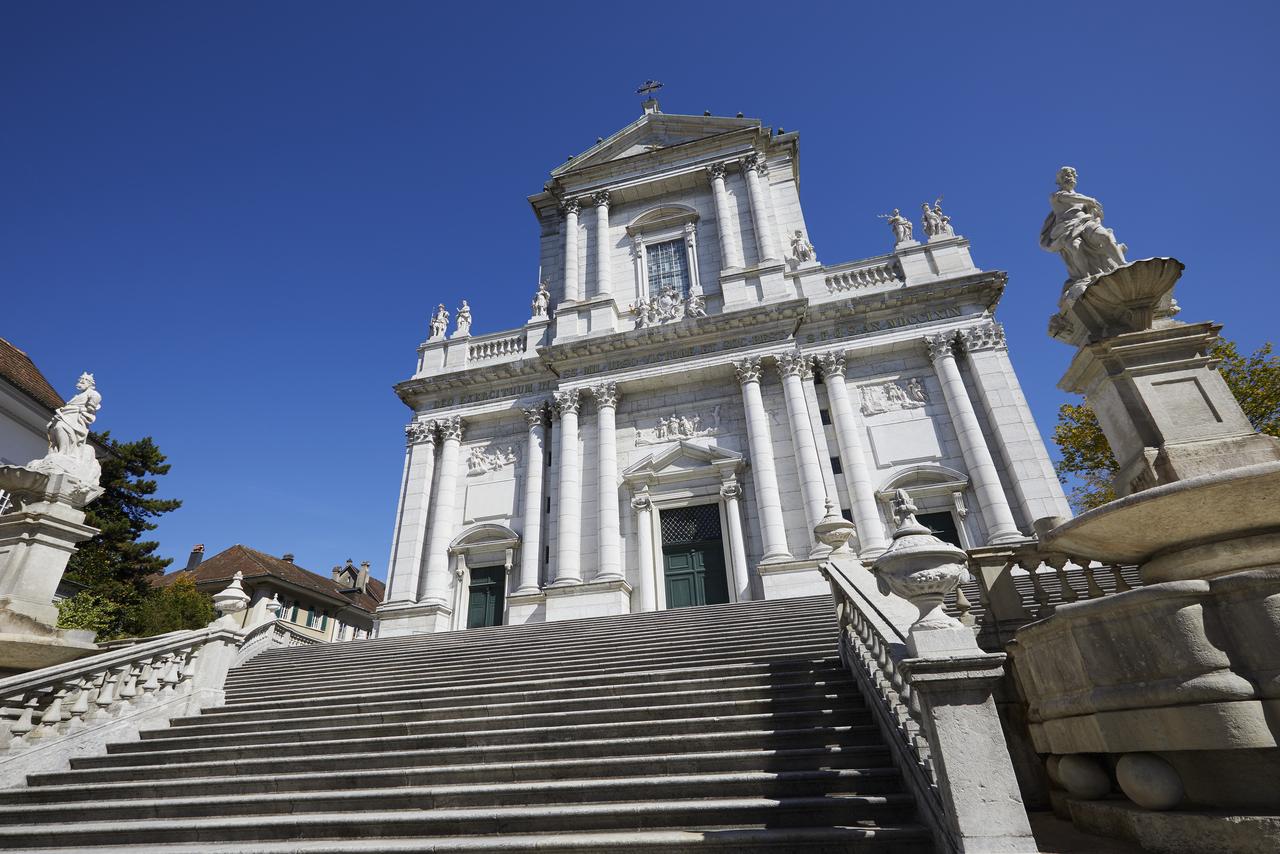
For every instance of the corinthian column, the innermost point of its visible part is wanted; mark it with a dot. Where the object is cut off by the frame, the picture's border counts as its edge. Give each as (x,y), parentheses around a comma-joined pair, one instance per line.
(977,457)
(531,550)
(794,367)
(609,536)
(730,250)
(443,514)
(415,501)
(772,530)
(604,265)
(752,166)
(569,518)
(647,576)
(570,208)
(857,475)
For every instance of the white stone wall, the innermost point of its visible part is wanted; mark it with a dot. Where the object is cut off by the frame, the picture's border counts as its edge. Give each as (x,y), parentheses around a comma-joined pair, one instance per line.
(22,427)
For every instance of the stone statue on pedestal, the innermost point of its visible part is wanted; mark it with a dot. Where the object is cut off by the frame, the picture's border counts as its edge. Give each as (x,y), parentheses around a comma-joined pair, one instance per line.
(900,224)
(69,450)
(439,323)
(801,248)
(463,321)
(542,301)
(1074,230)
(934,222)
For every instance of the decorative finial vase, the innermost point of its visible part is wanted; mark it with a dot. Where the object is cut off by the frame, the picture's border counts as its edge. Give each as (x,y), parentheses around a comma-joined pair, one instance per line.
(920,568)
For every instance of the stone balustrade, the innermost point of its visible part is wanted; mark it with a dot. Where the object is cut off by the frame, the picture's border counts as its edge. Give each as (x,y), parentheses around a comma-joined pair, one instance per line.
(496,347)
(75,708)
(868,273)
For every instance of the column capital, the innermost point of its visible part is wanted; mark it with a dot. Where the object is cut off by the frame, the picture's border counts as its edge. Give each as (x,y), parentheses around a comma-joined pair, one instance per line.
(984,336)
(940,346)
(730,490)
(451,428)
(748,369)
(570,206)
(567,400)
(755,162)
(832,363)
(793,363)
(606,394)
(716,171)
(418,432)
(637,247)
(601,198)
(536,416)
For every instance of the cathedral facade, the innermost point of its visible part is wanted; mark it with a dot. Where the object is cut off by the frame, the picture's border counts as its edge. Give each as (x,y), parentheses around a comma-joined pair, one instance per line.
(694,391)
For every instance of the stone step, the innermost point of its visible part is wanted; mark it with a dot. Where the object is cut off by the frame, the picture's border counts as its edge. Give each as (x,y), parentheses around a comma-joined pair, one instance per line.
(580,651)
(873,766)
(706,813)
(706,616)
(502,729)
(597,790)
(566,710)
(756,734)
(814,615)
(745,684)
(600,677)
(499,670)
(893,839)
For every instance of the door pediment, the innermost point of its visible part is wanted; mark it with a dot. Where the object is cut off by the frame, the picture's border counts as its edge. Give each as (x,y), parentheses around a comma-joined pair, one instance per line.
(684,460)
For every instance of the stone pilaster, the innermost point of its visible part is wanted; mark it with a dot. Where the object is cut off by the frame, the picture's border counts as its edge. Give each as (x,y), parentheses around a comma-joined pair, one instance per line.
(731,494)
(569,518)
(610,535)
(853,456)
(647,575)
(730,248)
(407,552)
(794,368)
(973,446)
(531,535)
(1031,471)
(443,513)
(571,290)
(752,165)
(764,473)
(604,264)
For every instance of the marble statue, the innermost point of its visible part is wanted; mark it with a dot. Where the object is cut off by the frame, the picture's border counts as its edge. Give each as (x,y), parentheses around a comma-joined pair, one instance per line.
(900,224)
(934,222)
(439,323)
(69,428)
(1075,231)
(667,306)
(801,249)
(542,301)
(695,305)
(463,321)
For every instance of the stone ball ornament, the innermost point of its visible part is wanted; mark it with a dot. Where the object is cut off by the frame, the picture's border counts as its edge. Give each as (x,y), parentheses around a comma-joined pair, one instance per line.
(1083,777)
(919,567)
(1149,781)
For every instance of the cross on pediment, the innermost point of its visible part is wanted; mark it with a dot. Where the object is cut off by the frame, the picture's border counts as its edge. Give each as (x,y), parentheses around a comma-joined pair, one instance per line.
(648,87)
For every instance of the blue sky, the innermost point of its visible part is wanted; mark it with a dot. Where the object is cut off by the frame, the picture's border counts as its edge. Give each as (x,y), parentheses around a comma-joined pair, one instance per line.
(238,215)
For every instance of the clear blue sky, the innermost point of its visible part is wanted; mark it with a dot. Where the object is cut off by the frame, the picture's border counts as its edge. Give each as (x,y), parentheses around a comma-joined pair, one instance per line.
(239,214)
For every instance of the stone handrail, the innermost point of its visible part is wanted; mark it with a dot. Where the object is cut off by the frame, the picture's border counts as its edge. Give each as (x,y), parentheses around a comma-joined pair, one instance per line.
(864,274)
(495,347)
(76,708)
(873,644)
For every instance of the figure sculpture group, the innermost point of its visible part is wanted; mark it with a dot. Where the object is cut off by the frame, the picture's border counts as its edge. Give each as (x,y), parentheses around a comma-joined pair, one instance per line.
(933,222)
(667,306)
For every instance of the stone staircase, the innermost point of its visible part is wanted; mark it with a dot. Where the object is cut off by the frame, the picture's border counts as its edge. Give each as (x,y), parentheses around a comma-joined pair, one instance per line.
(727,727)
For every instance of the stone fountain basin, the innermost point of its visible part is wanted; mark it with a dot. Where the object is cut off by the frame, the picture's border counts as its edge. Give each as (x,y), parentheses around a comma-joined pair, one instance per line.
(1196,528)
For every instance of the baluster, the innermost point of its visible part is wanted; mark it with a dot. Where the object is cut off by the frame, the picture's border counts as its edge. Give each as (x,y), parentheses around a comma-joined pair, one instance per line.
(81,705)
(170,677)
(1121,584)
(963,606)
(1065,590)
(1045,605)
(23,724)
(190,665)
(1093,590)
(150,677)
(106,692)
(129,685)
(53,715)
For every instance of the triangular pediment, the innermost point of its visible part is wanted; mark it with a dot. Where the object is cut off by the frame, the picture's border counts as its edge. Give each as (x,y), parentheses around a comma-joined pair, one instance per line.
(653,132)
(683,457)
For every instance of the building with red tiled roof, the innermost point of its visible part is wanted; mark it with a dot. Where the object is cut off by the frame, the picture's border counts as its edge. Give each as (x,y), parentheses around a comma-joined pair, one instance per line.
(338,607)
(27,402)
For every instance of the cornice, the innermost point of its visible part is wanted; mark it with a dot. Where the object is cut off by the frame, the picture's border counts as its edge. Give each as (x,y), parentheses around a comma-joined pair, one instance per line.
(984,289)
(528,369)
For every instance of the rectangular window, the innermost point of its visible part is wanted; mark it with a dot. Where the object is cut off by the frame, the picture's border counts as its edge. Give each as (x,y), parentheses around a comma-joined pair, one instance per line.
(824,415)
(324,622)
(943,526)
(836,468)
(847,514)
(293,616)
(667,264)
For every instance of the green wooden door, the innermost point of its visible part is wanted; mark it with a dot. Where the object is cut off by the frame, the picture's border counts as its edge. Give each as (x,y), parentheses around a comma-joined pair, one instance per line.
(485,608)
(693,556)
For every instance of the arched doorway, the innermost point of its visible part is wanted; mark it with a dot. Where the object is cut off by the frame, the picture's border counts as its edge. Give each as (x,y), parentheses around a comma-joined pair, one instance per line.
(483,556)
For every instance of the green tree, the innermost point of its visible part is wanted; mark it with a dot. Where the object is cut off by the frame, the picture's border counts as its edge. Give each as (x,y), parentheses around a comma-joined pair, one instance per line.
(1087,465)
(168,609)
(117,564)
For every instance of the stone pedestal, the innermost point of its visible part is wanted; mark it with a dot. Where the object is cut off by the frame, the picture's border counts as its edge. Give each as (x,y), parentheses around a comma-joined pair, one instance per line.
(526,608)
(789,579)
(36,541)
(398,620)
(591,599)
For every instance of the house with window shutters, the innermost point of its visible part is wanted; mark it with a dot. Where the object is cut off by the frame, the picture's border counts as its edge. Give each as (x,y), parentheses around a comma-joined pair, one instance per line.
(337,607)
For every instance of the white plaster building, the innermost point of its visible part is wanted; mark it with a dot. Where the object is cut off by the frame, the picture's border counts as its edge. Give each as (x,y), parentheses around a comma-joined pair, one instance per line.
(703,386)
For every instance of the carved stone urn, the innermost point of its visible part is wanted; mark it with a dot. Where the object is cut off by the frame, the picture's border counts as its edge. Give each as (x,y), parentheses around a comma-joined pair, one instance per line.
(834,530)
(920,568)
(233,599)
